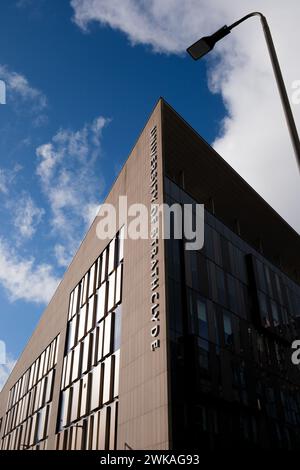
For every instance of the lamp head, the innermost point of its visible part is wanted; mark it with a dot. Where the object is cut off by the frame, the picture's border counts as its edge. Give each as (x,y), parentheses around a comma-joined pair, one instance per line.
(204,45)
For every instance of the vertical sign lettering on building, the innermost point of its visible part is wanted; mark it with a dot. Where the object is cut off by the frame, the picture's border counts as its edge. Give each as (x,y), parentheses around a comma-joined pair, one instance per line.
(154,240)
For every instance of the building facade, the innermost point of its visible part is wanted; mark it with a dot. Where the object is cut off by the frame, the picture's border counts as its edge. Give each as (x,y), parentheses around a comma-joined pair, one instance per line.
(146,345)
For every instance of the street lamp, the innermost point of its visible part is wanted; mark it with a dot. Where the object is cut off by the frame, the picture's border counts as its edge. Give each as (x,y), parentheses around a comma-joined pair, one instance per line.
(207,43)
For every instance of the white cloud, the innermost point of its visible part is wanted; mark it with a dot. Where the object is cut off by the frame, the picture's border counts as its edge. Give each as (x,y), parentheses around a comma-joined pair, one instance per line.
(63,255)
(5,370)
(66,167)
(7,176)
(27,215)
(3,181)
(22,93)
(24,279)
(253,137)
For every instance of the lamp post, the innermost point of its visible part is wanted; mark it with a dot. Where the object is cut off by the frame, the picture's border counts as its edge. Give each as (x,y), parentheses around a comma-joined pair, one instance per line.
(207,43)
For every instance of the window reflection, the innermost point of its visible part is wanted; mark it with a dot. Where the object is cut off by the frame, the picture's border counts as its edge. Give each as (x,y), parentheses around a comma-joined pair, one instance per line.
(111,291)
(228,336)
(101,299)
(107,343)
(117,329)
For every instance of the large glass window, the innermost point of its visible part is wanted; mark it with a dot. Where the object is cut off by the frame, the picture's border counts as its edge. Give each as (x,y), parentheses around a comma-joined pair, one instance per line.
(228,334)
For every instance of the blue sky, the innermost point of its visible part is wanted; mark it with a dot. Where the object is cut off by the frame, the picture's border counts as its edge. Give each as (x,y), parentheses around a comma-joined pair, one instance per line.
(82,77)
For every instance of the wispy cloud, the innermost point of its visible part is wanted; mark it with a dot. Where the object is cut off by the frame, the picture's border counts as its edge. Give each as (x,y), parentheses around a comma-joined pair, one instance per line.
(24,278)
(5,370)
(66,168)
(23,96)
(27,215)
(7,176)
(253,138)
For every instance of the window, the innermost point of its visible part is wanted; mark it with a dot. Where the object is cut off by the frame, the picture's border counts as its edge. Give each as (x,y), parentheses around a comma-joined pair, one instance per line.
(99,344)
(92,280)
(268,278)
(107,389)
(49,386)
(84,402)
(98,279)
(107,336)
(64,412)
(82,320)
(261,276)
(85,289)
(117,329)
(221,286)
(119,284)
(202,325)
(75,401)
(264,314)
(72,333)
(275,313)
(87,346)
(90,316)
(76,359)
(101,300)
(278,287)
(111,291)
(71,306)
(116,359)
(232,293)
(41,424)
(121,245)
(68,361)
(75,301)
(46,368)
(228,335)
(111,255)
(203,353)
(113,425)
(104,429)
(104,266)
(96,389)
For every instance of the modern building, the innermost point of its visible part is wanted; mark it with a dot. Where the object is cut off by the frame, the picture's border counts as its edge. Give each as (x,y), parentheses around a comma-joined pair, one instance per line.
(146,345)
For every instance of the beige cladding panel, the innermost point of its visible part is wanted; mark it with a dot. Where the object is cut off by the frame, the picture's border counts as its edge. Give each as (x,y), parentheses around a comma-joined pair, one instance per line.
(143,407)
